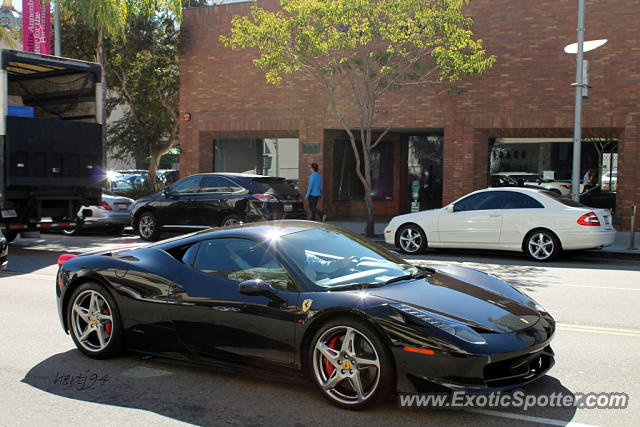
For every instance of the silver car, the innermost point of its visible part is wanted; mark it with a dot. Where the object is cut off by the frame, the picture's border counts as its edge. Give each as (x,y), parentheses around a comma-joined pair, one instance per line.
(112,215)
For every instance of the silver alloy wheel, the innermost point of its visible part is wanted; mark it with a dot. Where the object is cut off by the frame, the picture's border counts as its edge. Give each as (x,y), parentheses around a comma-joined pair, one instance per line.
(231,221)
(91,321)
(146,226)
(350,374)
(540,246)
(410,240)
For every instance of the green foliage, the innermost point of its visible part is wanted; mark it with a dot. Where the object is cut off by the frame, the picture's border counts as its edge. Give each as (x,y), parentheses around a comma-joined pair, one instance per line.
(112,14)
(389,42)
(143,75)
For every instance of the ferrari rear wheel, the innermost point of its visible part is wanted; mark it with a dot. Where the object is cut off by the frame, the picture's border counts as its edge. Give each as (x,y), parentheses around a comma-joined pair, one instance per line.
(94,322)
(351,365)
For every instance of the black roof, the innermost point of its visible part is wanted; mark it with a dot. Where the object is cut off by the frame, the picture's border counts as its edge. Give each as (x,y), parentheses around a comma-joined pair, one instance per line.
(253,231)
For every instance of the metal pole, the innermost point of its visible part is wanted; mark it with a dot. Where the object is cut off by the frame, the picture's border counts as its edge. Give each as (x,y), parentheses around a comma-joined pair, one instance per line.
(632,231)
(577,120)
(56,30)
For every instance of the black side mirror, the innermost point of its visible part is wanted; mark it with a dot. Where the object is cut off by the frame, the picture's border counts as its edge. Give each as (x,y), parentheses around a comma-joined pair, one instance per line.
(258,287)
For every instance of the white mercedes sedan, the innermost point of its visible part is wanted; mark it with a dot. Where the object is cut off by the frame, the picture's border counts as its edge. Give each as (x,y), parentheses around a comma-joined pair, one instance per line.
(537,222)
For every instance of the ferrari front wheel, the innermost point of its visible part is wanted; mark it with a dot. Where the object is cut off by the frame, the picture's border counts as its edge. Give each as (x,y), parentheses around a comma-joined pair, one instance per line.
(351,364)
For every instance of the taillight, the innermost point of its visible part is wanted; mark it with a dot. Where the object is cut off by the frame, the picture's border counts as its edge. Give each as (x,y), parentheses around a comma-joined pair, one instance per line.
(266,197)
(65,257)
(589,219)
(106,206)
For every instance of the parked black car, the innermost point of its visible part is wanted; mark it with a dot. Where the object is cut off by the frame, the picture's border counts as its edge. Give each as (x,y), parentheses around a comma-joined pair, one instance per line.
(215,199)
(597,198)
(4,252)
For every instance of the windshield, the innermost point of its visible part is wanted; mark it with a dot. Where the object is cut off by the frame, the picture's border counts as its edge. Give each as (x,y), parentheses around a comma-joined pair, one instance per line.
(527,178)
(331,259)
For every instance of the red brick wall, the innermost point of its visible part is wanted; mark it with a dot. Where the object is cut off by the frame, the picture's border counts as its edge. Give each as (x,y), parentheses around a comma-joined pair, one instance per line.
(527,93)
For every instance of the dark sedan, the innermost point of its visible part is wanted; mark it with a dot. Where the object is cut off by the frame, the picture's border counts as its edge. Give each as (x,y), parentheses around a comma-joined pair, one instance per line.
(4,252)
(215,199)
(309,297)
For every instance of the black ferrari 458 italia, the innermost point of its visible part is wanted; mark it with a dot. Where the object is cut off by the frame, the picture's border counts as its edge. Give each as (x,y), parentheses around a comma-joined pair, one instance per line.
(358,319)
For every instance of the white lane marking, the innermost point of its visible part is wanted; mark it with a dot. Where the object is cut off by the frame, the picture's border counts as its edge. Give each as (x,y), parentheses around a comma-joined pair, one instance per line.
(549,421)
(594,331)
(600,328)
(588,286)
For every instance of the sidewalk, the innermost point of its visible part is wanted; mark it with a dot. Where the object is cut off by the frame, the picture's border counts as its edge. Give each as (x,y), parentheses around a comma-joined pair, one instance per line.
(619,248)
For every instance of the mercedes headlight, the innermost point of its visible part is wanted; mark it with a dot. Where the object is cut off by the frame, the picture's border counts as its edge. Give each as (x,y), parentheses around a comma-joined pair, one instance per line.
(450,326)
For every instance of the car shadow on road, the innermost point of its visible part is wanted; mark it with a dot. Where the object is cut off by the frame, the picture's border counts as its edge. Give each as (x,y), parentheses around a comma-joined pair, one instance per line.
(213,396)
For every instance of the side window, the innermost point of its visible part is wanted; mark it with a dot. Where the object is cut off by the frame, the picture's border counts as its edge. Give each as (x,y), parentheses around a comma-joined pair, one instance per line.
(480,201)
(239,260)
(187,185)
(515,200)
(215,184)
(189,256)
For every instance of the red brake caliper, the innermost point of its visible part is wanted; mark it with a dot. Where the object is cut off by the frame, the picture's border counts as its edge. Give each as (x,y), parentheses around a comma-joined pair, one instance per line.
(328,367)
(107,326)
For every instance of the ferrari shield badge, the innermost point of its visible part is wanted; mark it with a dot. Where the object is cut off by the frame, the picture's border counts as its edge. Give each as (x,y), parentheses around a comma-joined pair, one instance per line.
(306,305)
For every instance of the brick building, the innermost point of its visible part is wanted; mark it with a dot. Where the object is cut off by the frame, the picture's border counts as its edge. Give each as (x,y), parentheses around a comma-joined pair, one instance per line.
(518,114)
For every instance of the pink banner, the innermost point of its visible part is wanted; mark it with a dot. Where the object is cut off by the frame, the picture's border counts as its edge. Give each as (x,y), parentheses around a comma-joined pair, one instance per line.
(36,26)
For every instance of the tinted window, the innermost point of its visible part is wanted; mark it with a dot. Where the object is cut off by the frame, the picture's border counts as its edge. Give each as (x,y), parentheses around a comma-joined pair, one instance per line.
(562,199)
(480,201)
(513,200)
(189,256)
(239,260)
(187,185)
(215,184)
(270,186)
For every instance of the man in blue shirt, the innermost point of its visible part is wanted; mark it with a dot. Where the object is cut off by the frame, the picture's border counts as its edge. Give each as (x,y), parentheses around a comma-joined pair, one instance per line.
(314,192)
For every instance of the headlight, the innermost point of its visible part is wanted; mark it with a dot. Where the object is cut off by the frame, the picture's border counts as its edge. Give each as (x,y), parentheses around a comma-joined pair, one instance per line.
(450,326)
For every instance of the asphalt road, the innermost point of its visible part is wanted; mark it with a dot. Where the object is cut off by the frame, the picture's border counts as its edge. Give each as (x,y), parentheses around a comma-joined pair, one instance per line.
(597,350)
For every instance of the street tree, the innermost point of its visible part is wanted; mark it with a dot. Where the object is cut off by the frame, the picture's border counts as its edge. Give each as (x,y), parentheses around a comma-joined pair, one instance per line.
(108,18)
(362,50)
(144,77)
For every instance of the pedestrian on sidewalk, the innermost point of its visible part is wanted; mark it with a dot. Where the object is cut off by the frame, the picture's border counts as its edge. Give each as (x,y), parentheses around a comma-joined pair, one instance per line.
(314,191)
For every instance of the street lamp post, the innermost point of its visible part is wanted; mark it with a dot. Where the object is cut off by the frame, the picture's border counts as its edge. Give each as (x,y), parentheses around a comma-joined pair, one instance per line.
(577,118)
(581,92)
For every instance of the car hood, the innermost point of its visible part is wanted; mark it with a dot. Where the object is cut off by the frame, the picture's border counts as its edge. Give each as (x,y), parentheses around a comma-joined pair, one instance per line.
(476,298)
(416,216)
(149,198)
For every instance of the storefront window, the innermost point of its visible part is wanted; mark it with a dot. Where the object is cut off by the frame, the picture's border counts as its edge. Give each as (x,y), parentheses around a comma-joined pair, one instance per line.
(347,185)
(263,156)
(424,167)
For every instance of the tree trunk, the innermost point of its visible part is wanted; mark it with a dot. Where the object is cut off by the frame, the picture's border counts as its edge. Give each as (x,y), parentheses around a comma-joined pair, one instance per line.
(101,58)
(154,160)
(368,197)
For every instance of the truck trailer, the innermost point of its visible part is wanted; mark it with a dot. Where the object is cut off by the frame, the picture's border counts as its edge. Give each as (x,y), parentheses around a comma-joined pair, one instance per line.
(51,142)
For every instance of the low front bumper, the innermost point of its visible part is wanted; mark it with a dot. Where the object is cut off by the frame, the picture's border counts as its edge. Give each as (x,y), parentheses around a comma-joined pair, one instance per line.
(509,366)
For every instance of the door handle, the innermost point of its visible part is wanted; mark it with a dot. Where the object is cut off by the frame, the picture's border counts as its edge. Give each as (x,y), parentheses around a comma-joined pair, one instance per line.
(495,215)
